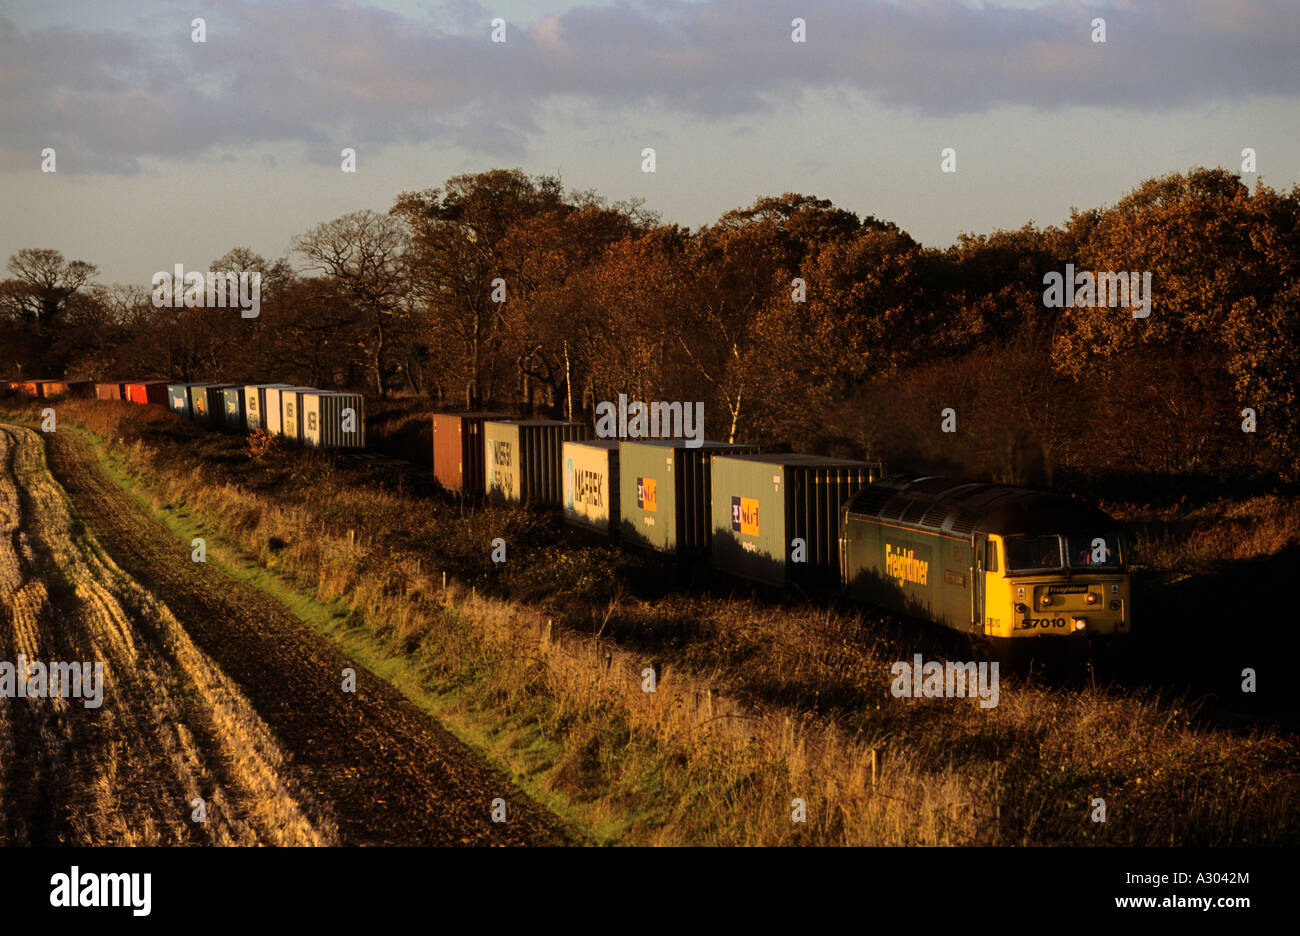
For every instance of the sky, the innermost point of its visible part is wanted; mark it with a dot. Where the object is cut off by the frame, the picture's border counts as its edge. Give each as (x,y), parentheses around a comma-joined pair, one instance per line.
(171,151)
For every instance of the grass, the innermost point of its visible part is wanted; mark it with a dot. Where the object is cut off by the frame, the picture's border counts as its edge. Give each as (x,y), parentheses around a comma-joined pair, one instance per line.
(759,703)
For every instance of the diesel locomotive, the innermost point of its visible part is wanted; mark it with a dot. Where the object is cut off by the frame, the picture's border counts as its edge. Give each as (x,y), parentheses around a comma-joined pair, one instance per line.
(987,560)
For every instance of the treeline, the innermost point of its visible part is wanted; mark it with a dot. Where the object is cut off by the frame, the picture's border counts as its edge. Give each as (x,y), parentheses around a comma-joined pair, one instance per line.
(795,321)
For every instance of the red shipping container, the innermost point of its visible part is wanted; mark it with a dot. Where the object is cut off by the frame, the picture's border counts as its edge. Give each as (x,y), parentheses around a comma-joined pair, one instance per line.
(147,391)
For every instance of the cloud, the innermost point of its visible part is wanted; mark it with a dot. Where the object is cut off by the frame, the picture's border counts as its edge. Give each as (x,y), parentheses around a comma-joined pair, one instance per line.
(327,76)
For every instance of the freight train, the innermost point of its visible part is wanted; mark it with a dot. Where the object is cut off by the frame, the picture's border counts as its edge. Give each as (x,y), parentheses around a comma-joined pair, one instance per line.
(990,561)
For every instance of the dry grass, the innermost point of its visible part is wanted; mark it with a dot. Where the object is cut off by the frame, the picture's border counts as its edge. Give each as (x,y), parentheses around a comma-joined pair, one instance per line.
(1197,538)
(756,705)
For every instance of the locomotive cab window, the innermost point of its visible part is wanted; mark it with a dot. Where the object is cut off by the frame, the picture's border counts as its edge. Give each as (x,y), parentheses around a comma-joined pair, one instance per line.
(1093,552)
(990,556)
(1033,553)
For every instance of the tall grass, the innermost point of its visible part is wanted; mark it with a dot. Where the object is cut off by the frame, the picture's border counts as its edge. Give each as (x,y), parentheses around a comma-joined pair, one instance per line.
(541,661)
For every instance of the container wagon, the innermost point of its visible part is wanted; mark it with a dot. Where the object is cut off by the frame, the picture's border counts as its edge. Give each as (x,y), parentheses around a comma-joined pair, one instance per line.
(57,388)
(291,411)
(988,560)
(209,402)
(591,485)
(776,518)
(665,492)
(255,411)
(273,406)
(146,391)
(458,450)
(232,408)
(522,459)
(195,394)
(177,399)
(333,420)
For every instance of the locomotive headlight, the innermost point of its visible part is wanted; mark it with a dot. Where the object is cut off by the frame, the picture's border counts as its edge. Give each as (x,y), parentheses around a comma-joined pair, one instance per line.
(1114,605)
(1092,598)
(1079,623)
(1047,599)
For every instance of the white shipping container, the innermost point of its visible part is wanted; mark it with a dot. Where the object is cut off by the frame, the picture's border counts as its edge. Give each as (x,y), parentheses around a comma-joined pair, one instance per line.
(333,420)
(287,405)
(591,484)
(255,407)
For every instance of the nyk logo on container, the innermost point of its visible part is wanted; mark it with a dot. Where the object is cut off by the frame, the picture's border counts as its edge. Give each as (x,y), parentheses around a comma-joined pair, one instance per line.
(647,497)
(744,515)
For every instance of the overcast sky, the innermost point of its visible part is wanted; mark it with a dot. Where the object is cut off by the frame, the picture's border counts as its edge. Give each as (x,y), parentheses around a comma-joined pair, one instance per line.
(170,151)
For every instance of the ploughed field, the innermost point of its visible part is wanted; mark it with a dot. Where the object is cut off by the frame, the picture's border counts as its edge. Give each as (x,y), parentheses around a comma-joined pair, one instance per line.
(211,690)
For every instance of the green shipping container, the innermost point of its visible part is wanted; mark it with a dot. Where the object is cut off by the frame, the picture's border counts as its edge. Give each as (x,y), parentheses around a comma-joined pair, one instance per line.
(523,459)
(664,493)
(209,402)
(776,518)
(233,407)
(177,399)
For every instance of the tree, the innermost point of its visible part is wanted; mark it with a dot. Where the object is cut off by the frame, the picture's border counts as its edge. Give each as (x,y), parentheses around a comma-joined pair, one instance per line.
(366,253)
(457,234)
(43,286)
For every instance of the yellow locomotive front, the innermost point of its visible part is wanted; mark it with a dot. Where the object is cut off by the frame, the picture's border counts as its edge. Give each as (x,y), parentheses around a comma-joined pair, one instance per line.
(1056,584)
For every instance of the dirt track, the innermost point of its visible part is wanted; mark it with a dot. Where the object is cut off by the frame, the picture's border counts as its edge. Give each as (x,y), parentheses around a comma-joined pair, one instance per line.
(231,698)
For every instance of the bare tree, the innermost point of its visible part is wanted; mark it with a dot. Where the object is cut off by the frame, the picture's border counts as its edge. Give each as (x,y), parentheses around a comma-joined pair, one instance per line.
(364,252)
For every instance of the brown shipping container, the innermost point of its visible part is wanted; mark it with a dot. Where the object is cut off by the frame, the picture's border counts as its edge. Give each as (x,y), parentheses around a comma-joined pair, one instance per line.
(522,459)
(458,449)
(108,391)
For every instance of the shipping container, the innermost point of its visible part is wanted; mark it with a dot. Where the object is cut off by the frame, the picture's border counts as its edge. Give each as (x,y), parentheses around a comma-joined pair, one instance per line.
(591,485)
(146,391)
(195,394)
(108,391)
(209,402)
(333,420)
(273,406)
(522,459)
(664,493)
(776,518)
(59,388)
(255,413)
(233,408)
(178,401)
(291,411)
(458,449)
